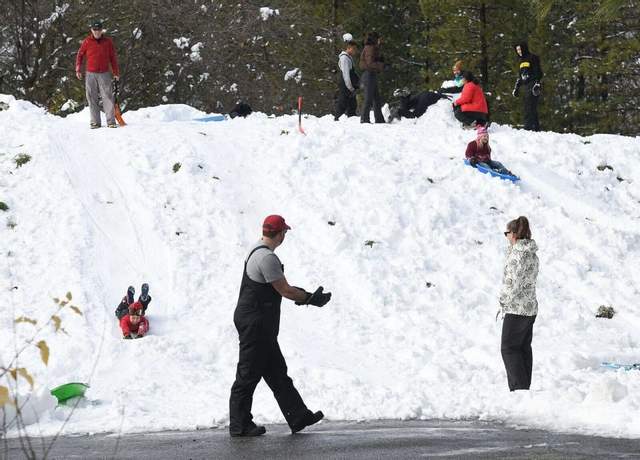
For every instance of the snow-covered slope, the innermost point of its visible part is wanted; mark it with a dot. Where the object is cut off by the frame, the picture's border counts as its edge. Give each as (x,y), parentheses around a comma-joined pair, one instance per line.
(411,329)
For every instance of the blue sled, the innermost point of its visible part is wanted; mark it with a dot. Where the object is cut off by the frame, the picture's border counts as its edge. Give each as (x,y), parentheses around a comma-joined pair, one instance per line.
(626,367)
(493,173)
(211,118)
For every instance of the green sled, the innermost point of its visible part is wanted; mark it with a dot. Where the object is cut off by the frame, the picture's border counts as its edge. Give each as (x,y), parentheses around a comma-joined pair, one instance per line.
(69,390)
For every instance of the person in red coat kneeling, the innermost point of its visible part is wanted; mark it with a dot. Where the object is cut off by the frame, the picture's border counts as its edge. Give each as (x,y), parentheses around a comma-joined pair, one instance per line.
(471,107)
(134,325)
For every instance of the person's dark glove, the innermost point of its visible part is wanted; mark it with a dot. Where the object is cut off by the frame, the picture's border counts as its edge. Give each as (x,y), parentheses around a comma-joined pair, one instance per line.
(536,90)
(127,337)
(317,298)
(473,162)
(516,88)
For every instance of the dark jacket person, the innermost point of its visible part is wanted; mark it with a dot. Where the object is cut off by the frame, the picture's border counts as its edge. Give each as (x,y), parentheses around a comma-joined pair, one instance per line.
(529,76)
(257,319)
(372,64)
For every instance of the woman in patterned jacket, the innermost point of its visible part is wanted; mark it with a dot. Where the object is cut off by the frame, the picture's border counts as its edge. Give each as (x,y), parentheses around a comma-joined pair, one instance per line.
(519,304)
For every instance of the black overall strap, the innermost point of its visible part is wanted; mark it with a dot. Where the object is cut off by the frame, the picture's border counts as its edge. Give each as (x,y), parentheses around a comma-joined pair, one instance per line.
(263,246)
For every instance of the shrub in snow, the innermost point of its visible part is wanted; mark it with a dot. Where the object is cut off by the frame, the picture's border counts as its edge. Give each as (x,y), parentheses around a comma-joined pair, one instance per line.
(176,167)
(605,311)
(22,405)
(3,206)
(293,74)
(11,224)
(22,159)
(4,106)
(182,42)
(266,12)
(195,52)
(69,106)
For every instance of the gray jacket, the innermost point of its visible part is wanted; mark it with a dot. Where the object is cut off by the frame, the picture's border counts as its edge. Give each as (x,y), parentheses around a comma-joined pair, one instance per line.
(518,293)
(345,64)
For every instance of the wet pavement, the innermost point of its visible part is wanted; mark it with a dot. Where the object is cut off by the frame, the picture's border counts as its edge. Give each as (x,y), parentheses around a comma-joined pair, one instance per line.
(341,440)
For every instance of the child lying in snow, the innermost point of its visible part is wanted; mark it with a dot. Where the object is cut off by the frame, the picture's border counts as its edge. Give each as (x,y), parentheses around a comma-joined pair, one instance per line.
(145,299)
(134,325)
(479,153)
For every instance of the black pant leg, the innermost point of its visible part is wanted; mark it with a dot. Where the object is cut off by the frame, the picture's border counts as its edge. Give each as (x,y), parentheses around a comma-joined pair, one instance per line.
(352,106)
(342,100)
(515,330)
(377,101)
(251,363)
(531,122)
(463,117)
(368,96)
(288,398)
(527,352)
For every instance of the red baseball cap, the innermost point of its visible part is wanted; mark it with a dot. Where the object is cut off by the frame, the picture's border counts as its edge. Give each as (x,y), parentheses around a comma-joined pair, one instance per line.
(274,223)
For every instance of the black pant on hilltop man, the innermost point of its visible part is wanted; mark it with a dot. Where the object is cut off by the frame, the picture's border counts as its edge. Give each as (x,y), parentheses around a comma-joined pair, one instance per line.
(517,333)
(531,122)
(257,319)
(346,102)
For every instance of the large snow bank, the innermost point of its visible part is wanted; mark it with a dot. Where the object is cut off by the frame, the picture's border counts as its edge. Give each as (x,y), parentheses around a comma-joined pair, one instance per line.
(410,332)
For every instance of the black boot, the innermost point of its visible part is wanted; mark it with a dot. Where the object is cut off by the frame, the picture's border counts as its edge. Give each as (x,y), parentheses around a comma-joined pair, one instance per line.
(131,291)
(250,430)
(309,419)
(144,292)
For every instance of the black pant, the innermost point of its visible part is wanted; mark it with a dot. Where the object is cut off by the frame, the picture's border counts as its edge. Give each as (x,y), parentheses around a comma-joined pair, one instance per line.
(369,83)
(531,122)
(260,357)
(517,333)
(467,118)
(346,102)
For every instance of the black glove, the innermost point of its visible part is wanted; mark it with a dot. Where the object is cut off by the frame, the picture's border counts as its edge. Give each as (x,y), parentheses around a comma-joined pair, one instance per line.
(536,90)
(516,88)
(318,298)
(473,162)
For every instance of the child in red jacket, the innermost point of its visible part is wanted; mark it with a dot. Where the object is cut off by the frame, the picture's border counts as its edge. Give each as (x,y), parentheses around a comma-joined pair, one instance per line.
(479,153)
(134,325)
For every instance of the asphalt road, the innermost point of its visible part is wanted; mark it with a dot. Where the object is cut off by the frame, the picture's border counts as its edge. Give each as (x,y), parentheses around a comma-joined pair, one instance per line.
(343,440)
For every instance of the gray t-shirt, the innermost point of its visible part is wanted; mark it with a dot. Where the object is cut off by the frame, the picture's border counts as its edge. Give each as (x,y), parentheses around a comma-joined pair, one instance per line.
(264,266)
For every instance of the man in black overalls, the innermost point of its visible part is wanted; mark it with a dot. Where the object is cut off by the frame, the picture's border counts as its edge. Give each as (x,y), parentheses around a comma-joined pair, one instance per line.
(257,319)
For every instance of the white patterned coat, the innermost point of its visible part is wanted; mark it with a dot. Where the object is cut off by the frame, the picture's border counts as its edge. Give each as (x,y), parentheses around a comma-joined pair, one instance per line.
(518,293)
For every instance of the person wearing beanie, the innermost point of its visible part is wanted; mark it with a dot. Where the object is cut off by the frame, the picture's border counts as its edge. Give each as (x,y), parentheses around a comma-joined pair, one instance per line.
(134,325)
(102,64)
(471,107)
(454,86)
(529,77)
(479,152)
(348,82)
(257,320)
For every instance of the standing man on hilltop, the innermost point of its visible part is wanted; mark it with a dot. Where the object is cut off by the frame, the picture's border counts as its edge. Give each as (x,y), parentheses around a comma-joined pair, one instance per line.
(257,319)
(100,53)
(529,76)
(348,82)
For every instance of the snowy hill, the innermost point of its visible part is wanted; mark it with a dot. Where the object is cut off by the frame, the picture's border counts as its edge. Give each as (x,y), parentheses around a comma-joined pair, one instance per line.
(411,330)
